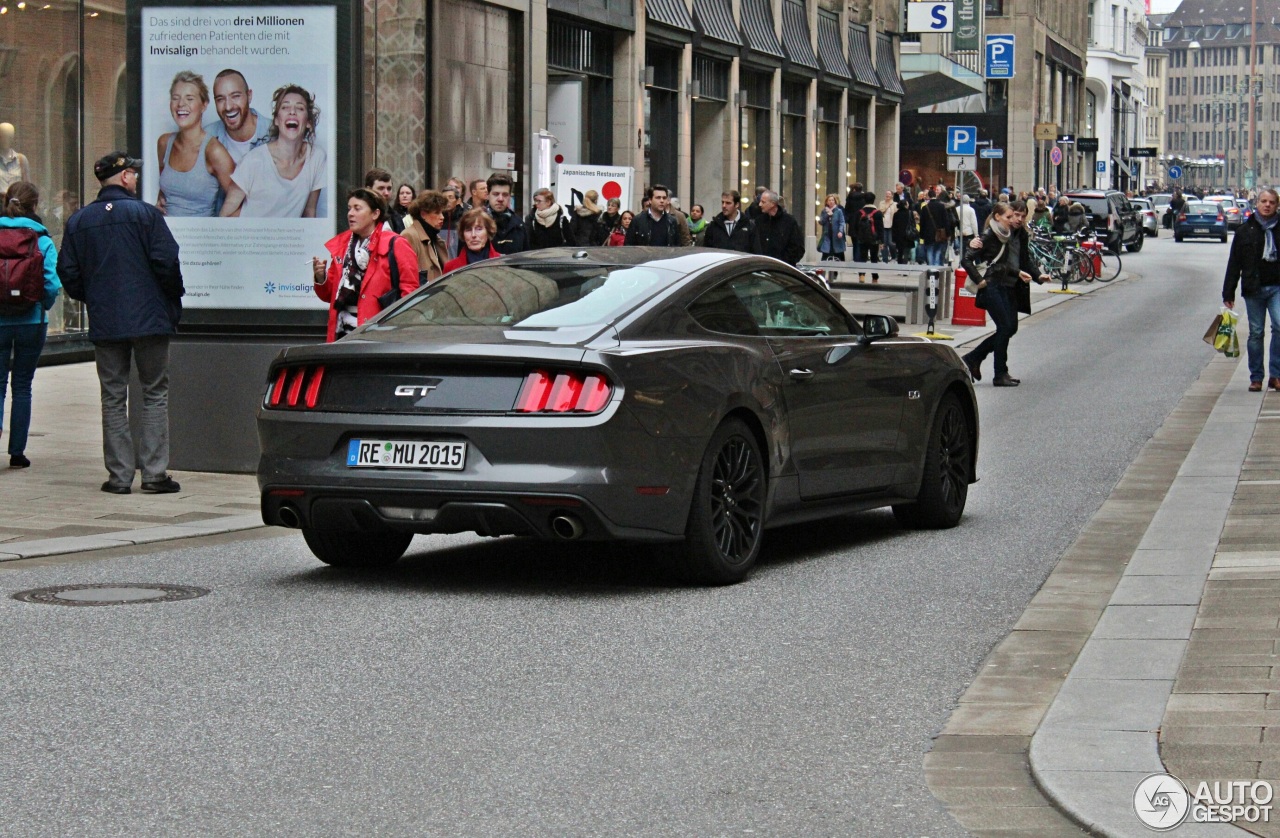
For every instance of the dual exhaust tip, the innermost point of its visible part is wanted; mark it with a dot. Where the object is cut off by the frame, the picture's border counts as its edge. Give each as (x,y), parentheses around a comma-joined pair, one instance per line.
(565,527)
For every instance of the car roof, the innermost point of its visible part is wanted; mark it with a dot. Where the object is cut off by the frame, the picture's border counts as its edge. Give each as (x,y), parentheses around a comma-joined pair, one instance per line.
(684,260)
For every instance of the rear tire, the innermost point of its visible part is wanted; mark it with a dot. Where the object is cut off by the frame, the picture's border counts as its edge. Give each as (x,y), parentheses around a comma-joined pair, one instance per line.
(1137,243)
(1223,239)
(357,550)
(948,461)
(726,518)
(1177,238)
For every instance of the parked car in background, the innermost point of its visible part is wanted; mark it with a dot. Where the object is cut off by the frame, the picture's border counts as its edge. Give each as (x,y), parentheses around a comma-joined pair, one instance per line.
(692,398)
(1160,203)
(1200,219)
(1150,222)
(1232,210)
(1114,220)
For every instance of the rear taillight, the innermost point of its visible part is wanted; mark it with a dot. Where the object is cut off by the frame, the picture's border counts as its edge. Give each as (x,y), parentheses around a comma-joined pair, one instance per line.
(563,392)
(1182,217)
(1219,216)
(296,387)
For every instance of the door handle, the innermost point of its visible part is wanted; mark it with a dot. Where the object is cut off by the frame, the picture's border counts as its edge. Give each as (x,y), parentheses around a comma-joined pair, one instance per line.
(801,375)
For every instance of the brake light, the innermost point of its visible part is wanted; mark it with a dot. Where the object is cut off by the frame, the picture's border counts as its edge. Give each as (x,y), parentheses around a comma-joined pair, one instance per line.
(1182,217)
(1219,216)
(563,392)
(296,387)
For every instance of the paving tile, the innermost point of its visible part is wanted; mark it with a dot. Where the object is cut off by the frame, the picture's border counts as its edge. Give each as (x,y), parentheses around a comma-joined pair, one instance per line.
(1059,748)
(1011,689)
(1159,590)
(1170,562)
(1034,818)
(1109,704)
(992,718)
(1057,618)
(1129,659)
(1146,621)
(981,744)
(1234,702)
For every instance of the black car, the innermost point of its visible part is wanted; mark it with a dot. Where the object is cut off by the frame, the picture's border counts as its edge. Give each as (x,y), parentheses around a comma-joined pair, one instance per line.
(693,398)
(1114,220)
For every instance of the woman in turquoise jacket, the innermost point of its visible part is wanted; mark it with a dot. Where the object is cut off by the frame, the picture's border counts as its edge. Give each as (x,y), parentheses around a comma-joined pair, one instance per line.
(22,334)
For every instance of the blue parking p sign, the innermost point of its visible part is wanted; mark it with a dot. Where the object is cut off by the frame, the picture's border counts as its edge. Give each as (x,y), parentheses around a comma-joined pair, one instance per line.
(1000,56)
(1102,167)
(962,140)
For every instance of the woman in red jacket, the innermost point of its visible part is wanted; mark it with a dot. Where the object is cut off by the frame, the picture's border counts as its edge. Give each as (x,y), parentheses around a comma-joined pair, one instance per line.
(476,228)
(358,282)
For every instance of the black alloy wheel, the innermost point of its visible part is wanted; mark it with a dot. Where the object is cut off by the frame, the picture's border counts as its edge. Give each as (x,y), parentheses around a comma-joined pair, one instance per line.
(726,519)
(944,487)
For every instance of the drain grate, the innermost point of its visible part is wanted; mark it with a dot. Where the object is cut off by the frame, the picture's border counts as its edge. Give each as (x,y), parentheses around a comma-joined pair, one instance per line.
(110,593)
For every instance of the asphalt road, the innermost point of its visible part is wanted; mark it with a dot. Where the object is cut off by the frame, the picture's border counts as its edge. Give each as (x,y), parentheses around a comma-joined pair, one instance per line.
(503,687)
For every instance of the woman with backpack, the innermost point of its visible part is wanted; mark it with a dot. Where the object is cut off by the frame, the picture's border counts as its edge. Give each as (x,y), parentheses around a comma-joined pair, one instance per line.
(31,269)
(832,243)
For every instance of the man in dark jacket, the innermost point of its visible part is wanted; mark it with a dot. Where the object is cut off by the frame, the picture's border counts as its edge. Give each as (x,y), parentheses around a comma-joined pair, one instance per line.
(119,258)
(1254,264)
(776,232)
(857,198)
(936,228)
(904,224)
(655,227)
(982,208)
(731,229)
(512,237)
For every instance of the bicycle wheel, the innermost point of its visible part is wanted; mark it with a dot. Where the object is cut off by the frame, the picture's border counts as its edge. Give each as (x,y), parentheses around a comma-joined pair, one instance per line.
(1110,266)
(1084,263)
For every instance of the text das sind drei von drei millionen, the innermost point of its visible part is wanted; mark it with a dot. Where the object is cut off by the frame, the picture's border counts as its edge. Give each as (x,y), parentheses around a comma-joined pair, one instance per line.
(249,35)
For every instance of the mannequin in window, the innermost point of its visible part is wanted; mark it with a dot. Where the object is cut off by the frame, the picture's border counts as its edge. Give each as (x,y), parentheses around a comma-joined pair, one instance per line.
(13,164)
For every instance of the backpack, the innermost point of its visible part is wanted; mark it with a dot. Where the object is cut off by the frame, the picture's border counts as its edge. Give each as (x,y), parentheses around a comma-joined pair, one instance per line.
(866,227)
(21,270)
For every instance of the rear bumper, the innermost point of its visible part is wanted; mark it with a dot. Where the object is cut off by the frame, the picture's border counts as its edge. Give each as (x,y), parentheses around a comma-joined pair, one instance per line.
(619,481)
(1212,231)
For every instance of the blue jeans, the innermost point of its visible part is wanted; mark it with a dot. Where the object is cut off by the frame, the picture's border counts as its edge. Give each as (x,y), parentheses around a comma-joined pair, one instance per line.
(934,252)
(1000,303)
(1257,307)
(20,348)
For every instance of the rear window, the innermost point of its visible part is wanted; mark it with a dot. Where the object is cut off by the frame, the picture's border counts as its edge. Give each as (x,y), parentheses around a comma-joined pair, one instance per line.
(1201,208)
(532,297)
(1097,206)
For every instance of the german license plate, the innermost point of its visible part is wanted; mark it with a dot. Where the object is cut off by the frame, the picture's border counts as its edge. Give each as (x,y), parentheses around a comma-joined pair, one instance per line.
(1202,229)
(393,453)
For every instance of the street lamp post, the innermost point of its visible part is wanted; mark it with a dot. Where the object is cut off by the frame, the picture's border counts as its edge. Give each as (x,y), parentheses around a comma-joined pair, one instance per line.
(1186,115)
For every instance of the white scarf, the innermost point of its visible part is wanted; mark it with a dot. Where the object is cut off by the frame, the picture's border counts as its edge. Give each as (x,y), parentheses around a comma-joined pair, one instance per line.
(547,217)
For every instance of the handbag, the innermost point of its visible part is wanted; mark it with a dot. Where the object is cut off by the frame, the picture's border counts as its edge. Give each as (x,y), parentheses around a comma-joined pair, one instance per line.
(1226,340)
(971,284)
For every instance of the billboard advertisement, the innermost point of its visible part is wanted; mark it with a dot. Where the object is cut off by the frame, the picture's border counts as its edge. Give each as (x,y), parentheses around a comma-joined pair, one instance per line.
(239,146)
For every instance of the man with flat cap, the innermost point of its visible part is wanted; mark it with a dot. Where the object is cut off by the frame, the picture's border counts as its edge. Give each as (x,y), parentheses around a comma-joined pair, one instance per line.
(119,258)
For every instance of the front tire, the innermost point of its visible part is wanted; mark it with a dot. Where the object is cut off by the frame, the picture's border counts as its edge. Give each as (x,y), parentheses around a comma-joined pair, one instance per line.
(948,462)
(726,519)
(1137,244)
(357,550)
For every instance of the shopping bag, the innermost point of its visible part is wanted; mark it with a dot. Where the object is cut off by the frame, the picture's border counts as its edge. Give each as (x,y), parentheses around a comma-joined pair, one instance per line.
(1226,341)
(1212,332)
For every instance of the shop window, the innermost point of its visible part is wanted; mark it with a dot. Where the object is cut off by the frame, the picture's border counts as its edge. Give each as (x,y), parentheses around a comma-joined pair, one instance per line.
(794,147)
(662,116)
(754,162)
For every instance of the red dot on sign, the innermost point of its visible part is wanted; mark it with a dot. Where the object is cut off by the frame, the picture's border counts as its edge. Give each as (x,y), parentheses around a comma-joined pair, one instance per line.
(559,158)
(611,189)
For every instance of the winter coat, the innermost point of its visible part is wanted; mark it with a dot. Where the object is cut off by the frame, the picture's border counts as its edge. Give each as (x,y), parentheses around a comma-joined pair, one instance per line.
(982,207)
(1061,219)
(119,258)
(933,217)
(779,236)
(558,234)
(855,201)
(682,227)
(718,235)
(996,271)
(968,220)
(834,231)
(1246,255)
(431,255)
(512,236)
(585,227)
(642,226)
(904,223)
(608,222)
(383,245)
(52,286)
(460,261)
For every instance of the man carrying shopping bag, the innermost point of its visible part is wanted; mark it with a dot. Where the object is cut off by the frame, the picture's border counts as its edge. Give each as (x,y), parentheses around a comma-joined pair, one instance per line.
(1254,264)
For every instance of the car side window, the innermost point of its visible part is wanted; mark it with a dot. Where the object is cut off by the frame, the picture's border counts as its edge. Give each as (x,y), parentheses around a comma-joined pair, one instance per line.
(774,305)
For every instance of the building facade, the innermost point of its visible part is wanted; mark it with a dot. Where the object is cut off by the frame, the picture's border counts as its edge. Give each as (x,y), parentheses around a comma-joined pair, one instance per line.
(946,86)
(1116,90)
(700,95)
(1157,60)
(1223,90)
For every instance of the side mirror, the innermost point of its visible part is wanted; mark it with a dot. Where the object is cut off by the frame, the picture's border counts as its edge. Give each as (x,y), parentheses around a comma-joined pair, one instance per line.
(877,326)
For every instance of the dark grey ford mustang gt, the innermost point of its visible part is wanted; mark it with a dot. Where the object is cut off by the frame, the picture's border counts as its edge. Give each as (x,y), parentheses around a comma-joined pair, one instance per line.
(693,397)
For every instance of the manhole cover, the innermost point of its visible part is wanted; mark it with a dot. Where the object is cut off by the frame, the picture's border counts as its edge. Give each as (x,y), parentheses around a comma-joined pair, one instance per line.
(108,593)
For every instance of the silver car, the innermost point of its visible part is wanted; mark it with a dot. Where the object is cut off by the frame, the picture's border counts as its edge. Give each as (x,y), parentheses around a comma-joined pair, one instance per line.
(1150,220)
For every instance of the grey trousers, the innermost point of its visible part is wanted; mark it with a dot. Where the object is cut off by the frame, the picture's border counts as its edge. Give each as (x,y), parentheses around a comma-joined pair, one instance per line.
(151,355)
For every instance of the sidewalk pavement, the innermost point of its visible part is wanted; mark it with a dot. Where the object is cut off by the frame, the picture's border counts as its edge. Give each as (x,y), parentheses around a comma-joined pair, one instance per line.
(1124,658)
(56,506)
